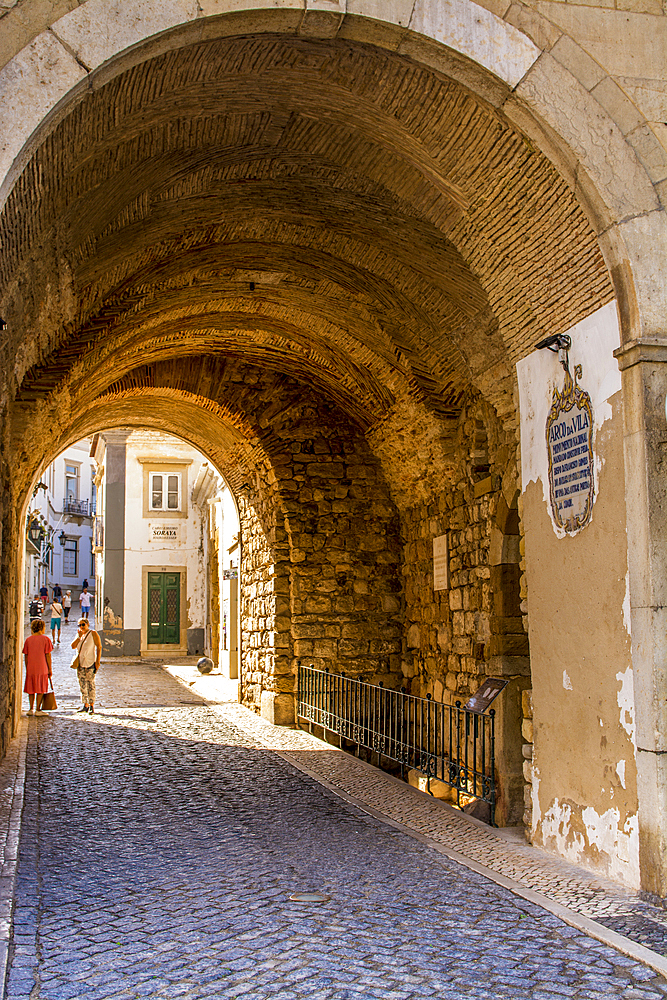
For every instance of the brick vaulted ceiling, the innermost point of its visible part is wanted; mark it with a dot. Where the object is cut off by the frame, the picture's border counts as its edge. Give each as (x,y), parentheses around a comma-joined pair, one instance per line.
(320,209)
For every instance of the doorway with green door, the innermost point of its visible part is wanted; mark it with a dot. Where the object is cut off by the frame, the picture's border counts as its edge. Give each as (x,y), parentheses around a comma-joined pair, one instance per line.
(163,603)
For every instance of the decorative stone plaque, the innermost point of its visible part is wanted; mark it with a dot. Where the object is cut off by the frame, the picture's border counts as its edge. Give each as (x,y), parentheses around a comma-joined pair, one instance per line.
(570,448)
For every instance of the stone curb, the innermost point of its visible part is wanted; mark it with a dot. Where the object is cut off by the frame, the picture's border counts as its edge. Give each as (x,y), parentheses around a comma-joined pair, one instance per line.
(12,778)
(576,920)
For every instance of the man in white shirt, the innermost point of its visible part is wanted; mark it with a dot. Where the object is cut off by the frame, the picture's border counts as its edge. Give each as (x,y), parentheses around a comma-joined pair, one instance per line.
(84,601)
(56,618)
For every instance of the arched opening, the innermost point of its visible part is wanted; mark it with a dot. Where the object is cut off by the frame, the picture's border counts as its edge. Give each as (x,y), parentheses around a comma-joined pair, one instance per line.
(146,525)
(319,260)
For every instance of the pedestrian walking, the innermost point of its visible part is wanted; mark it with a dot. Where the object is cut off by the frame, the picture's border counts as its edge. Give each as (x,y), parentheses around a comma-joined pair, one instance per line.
(56,617)
(35,608)
(44,595)
(37,652)
(84,601)
(89,648)
(57,592)
(67,605)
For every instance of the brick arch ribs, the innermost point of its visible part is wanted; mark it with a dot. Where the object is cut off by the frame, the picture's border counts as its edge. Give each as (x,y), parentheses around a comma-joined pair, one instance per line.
(510,68)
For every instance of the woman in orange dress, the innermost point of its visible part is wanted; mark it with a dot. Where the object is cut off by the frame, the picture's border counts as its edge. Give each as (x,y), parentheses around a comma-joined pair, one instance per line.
(37,652)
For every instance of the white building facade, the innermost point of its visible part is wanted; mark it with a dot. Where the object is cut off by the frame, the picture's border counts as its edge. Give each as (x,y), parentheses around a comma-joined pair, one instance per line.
(59,525)
(157,550)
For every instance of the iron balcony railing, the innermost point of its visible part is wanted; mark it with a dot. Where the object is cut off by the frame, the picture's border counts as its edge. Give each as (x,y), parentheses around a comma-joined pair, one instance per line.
(81,508)
(445,742)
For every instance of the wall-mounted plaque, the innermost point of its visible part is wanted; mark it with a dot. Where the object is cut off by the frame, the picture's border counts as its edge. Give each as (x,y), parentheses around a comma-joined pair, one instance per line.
(230,574)
(570,448)
(440,563)
(164,533)
(489,690)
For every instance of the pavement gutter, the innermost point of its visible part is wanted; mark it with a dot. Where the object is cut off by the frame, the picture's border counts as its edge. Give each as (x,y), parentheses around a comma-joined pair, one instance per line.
(12,784)
(578,921)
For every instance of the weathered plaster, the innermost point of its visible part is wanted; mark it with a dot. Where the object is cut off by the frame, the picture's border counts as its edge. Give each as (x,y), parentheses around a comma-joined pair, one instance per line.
(619,843)
(626,702)
(620,771)
(584,788)
(557,830)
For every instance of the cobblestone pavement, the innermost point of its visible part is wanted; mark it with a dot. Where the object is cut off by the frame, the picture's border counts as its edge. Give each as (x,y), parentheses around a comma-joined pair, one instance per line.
(161,842)
(503,852)
(607,902)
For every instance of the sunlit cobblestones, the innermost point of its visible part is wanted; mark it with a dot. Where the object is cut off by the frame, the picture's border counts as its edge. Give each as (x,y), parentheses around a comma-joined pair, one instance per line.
(161,843)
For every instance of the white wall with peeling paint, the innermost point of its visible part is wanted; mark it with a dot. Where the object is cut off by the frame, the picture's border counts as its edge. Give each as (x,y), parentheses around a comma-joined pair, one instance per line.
(584,784)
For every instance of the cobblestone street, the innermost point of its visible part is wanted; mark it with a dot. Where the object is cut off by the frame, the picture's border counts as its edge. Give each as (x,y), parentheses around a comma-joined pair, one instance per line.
(160,845)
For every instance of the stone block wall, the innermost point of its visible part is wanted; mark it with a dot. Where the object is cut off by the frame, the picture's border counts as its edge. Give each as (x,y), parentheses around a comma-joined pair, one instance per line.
(11,608)
(261,663)
(335,576)
(345,552)
(455,638)
(320,560)
(527,751)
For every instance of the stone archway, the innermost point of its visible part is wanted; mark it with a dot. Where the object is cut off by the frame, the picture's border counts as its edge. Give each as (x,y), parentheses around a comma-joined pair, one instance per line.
(384,219)
(305,546)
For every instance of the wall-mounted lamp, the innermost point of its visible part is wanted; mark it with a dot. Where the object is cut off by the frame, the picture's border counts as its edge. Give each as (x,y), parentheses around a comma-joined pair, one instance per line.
(560,344)
(62,537)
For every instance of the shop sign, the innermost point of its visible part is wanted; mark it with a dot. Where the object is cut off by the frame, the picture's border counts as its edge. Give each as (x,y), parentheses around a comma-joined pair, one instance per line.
(570,448)
(164,533)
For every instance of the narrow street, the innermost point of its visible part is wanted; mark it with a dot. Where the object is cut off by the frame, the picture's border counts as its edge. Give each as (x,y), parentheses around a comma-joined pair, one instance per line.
(160,846)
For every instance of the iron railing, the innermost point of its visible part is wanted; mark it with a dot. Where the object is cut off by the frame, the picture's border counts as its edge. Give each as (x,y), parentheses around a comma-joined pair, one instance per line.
(81,508)
(445,742)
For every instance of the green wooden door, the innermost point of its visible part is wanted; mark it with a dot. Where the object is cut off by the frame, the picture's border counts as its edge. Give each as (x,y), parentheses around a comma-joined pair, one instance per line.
(164,608)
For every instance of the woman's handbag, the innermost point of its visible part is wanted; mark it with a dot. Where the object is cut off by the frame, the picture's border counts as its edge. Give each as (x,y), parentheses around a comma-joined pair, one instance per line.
(76,663)
(49,700)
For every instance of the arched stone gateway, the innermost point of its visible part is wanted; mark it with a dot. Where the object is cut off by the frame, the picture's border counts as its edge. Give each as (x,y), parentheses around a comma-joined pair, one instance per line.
(320,241)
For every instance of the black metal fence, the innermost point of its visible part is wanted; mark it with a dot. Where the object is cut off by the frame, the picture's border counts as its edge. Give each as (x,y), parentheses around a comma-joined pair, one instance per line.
(445,742)
(81,508)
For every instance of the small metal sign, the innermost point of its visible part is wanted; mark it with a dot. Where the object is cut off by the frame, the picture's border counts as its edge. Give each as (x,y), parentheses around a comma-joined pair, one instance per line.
(570,447)
(441,563)
(489,690)
(230,574)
